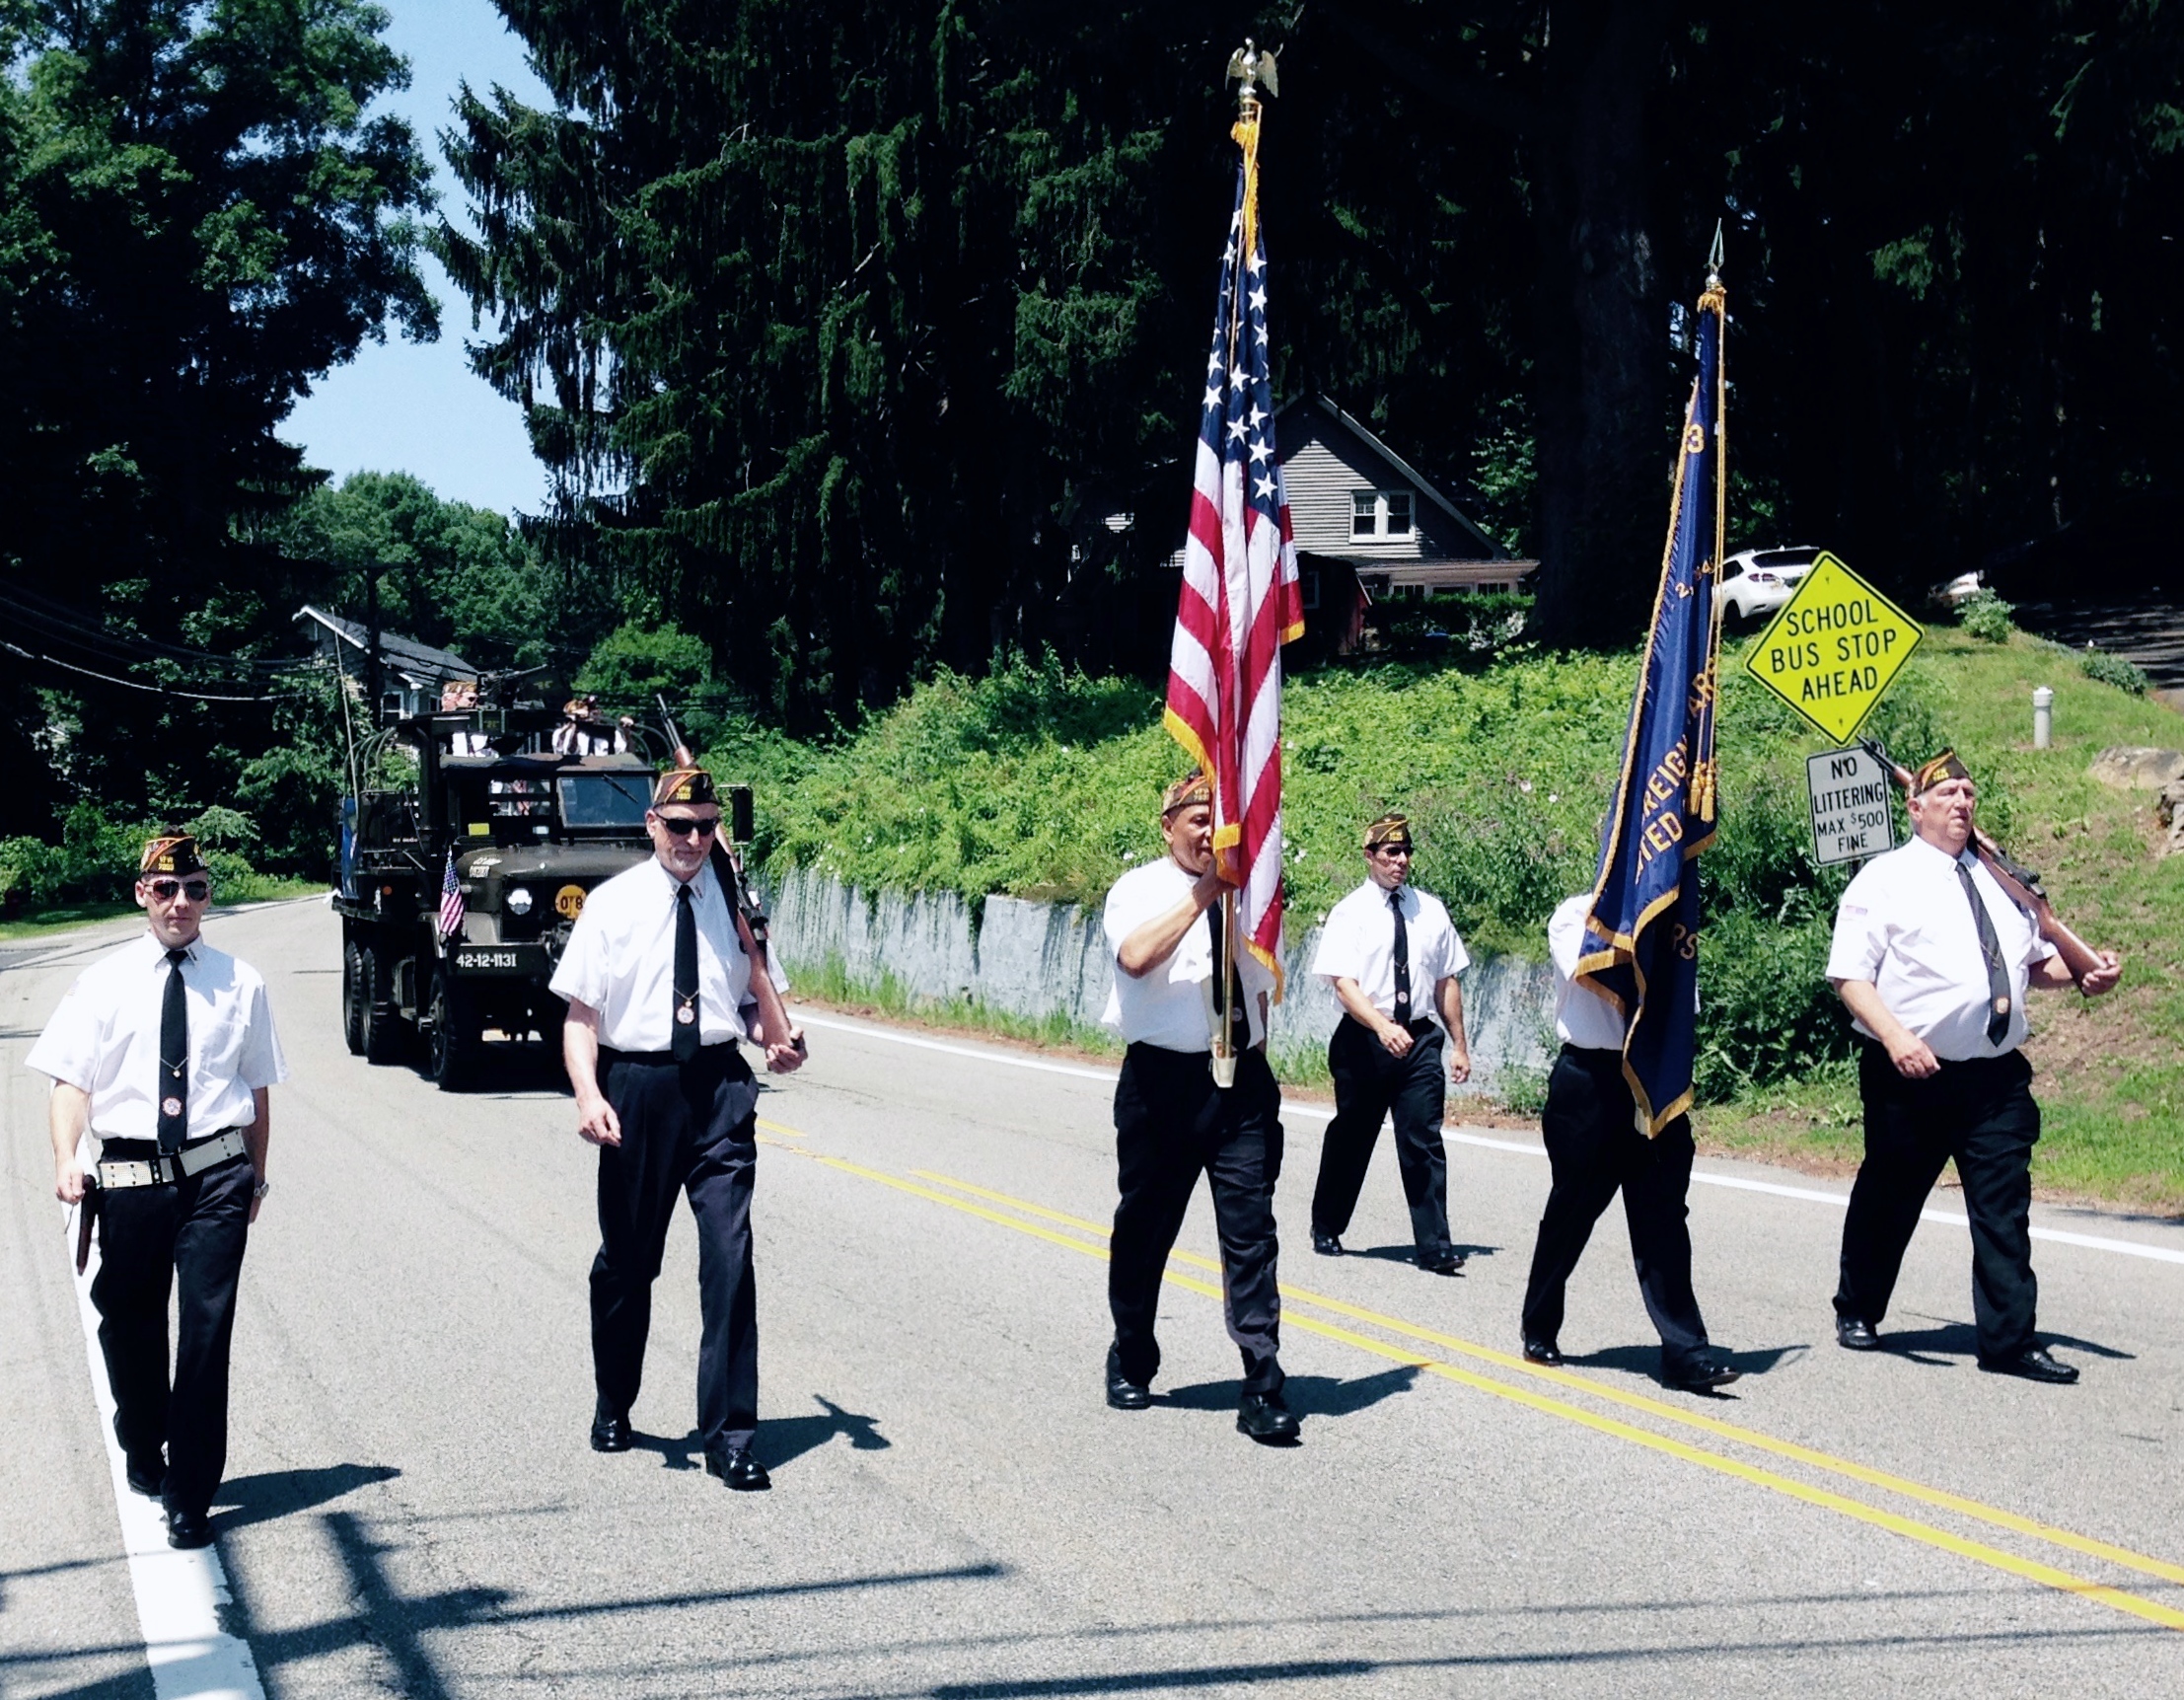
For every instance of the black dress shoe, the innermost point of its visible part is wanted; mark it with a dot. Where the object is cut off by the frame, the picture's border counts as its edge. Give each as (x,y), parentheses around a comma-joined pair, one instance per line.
(1855,1334)
(1326,1244)
(1121,1392)
(1266,1420)
(147,1477)
(1542,1351)
(1705,1376)
(1449,1262)
(2034,1365)
(188,1530)
(738,1469)
(610,1432)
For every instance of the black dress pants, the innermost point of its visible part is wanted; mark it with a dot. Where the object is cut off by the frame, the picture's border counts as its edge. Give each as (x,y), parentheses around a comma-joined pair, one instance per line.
(1368,1083)
(1594,1149)
(1171,1124)
(187,1238)
(1981,1114)
(687,1127)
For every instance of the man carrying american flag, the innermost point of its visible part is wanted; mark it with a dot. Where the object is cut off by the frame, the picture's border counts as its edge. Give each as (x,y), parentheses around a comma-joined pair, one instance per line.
(1196,933)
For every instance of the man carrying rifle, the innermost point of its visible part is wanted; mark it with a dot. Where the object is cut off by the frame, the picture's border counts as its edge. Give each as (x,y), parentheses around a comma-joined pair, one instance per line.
(1933,959)
(656,974)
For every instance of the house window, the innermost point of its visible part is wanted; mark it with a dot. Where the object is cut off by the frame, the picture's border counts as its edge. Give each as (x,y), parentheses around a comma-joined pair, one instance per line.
(1308,588)
(1380,513)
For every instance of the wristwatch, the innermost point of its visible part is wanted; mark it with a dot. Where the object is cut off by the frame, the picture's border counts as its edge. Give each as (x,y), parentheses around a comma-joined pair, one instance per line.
(261,1189)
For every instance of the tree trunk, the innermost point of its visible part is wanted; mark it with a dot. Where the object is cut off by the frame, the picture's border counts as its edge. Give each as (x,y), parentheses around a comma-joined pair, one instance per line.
(1603,352)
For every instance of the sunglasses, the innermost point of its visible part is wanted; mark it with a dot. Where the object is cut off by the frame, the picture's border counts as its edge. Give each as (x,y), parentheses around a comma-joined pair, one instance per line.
(166,890)
(683,827)
(1391,850)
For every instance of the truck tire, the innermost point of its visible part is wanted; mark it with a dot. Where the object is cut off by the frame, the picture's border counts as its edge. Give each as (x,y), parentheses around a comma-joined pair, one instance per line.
(453,1036)
(383,1035)
(352,998)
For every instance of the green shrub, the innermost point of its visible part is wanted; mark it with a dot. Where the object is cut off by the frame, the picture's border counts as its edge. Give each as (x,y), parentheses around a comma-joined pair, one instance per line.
(2114,670)
(1986,617)
(1765,1010)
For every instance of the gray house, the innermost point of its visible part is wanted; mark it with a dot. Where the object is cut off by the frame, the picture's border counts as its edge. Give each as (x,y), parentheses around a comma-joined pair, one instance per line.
(1371,528)
(411,674)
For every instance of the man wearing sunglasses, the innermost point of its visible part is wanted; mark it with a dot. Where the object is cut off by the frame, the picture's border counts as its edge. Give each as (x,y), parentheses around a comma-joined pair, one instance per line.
(656,976)
(1391,955)
(162,1057)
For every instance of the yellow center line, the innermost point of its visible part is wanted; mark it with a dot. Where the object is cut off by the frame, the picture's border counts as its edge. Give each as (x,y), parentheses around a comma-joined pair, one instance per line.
(1939,1497)
(2047,1576)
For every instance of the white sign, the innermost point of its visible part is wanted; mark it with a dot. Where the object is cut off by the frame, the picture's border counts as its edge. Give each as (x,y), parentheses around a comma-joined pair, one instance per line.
(1854,806)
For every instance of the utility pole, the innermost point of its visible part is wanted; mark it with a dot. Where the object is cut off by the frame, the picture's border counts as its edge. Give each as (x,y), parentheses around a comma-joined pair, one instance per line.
(371,642)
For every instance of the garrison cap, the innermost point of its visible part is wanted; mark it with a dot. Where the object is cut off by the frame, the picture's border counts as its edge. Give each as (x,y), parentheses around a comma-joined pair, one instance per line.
(692,786)
(1931,774)
(1191,789)
(170,851)
(1391,828)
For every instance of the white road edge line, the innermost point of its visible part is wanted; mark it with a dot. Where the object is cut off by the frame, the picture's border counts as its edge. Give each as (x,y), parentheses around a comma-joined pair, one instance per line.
(178,1595)
(1809,1195)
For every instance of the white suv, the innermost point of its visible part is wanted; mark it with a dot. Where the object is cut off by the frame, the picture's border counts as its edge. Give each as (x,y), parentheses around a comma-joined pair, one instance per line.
(1758,581)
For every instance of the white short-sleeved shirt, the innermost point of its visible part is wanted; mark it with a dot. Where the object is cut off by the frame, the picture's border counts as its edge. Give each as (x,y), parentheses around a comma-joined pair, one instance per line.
(621,960)
(1359,943)
(103,1040)
(1905,925)
(1582,1016)
(1170,1005)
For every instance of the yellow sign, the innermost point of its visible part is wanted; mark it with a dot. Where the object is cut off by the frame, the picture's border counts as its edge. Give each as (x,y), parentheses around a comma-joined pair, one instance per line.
(1833,648)
(569,902)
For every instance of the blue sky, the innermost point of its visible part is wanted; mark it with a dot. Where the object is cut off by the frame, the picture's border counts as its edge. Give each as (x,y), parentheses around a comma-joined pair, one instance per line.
(410,408)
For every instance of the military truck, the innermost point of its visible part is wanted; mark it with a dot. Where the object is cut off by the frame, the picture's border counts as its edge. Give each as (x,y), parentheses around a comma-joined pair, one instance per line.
(530,833)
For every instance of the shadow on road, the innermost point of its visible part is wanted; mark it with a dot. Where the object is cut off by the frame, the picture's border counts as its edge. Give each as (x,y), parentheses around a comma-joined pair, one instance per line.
(283,1493)
(1953,1340)
(1306,1395)
(1410,1253)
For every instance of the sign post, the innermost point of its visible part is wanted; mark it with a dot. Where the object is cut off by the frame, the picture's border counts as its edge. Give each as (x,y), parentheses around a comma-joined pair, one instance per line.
(1853,799)
(1833,648)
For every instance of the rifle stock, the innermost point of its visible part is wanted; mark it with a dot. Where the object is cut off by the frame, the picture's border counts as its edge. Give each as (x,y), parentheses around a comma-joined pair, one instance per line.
(2020,883)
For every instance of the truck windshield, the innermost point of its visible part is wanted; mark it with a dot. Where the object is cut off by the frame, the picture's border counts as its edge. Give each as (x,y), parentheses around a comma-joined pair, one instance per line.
(604,800)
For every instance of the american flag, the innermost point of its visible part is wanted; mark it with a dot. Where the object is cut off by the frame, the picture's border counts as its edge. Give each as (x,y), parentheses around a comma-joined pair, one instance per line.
(451,901)
(1240,600)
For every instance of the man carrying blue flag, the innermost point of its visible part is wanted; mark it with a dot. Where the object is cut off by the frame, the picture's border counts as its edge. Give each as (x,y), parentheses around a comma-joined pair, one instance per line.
(1627,957)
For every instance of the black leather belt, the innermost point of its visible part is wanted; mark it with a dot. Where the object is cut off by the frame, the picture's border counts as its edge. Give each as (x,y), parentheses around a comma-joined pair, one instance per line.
(162,1171)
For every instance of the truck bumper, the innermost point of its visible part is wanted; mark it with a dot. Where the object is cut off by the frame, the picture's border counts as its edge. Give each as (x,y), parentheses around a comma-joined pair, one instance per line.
(525,961)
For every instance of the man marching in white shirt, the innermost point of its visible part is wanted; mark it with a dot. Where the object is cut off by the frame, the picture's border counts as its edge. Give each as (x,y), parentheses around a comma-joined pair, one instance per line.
(163,1054)
(656,975)
(1393,958)
(1933,959)
(1172,1122)
(1594,1149)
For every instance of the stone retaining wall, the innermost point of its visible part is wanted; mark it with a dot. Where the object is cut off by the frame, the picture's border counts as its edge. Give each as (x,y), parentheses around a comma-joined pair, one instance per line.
(1036,959)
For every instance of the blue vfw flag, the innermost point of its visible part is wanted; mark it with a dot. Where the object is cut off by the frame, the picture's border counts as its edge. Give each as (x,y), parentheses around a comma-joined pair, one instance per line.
(1642,938)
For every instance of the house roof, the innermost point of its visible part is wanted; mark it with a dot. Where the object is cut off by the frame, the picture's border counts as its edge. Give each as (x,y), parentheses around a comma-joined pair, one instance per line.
(1424,486)
(405,654)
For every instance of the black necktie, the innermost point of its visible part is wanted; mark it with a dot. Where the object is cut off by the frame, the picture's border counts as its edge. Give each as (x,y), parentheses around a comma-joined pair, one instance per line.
(1997,977)
(174,1057)
(685,1041)
(1239,1019)
(1402,959)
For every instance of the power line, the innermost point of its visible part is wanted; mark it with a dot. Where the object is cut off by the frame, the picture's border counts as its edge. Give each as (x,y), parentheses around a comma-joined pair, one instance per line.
(131,683)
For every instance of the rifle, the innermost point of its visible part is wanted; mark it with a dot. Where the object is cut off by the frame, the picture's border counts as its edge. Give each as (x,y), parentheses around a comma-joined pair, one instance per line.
(2020,883)
(750,913)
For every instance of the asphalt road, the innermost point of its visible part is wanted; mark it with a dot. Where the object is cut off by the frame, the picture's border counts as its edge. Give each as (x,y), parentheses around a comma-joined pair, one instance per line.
(411,1507)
